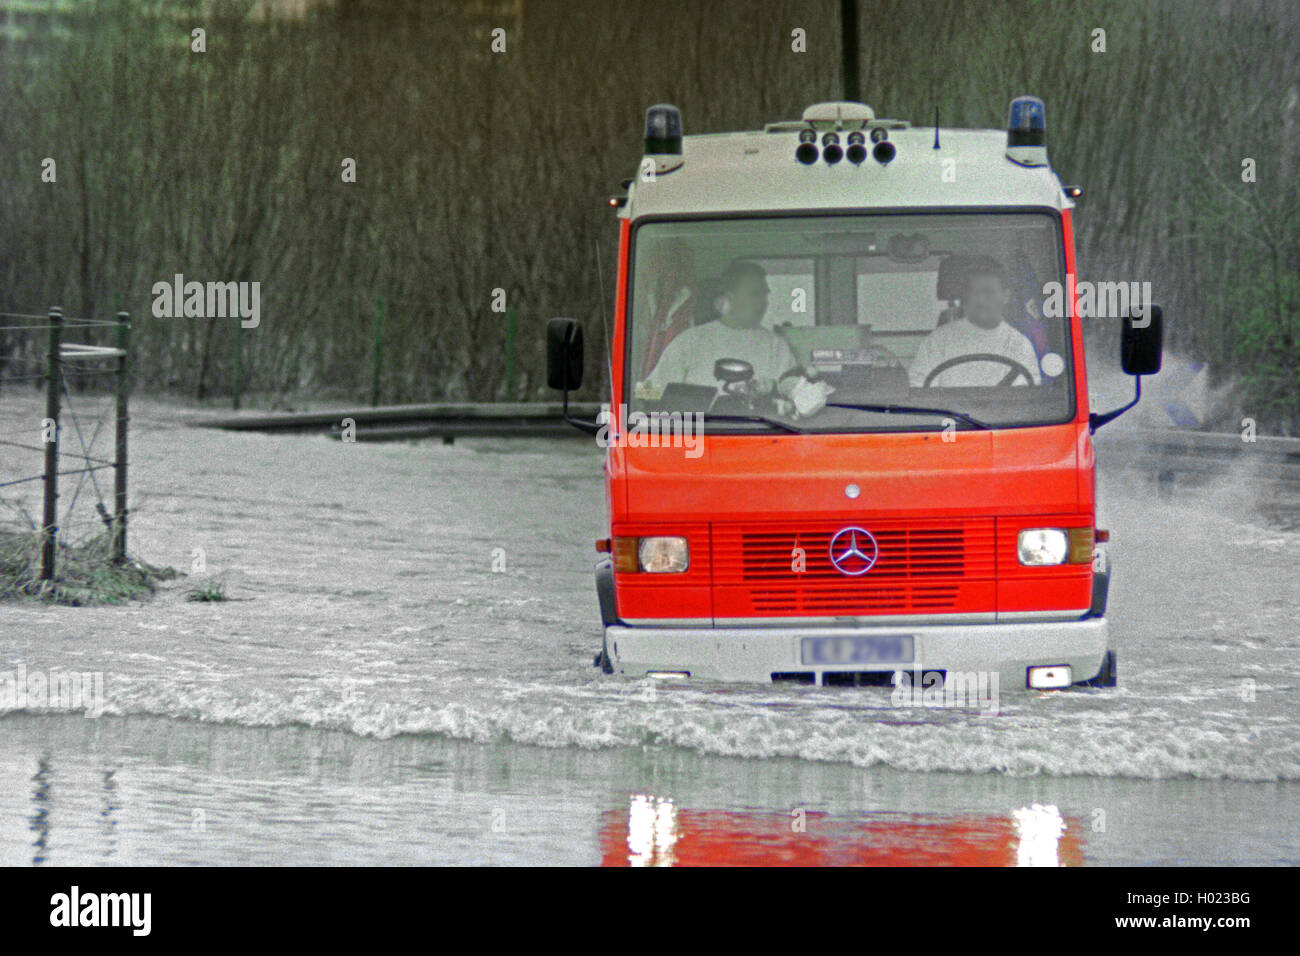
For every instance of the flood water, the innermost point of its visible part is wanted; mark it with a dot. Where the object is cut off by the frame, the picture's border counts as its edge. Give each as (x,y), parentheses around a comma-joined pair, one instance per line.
(403,675)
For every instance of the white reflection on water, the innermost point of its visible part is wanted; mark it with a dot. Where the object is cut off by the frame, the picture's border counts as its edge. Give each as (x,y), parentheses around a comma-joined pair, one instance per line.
(651,831)
(1038,830)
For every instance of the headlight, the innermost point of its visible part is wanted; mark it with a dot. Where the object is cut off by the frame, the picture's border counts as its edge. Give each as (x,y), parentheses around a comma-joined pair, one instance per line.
(1043,546)
(663,555)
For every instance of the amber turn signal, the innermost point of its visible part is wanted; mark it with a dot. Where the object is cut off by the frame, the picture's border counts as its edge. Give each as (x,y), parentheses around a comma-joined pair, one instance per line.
(1081,546)
(625,555)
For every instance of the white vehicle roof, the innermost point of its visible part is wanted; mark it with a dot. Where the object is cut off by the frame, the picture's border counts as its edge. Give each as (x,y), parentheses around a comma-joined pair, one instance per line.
(757,172)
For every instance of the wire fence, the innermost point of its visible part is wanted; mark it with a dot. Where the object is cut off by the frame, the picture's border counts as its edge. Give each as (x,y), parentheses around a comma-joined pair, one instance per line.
(85,383)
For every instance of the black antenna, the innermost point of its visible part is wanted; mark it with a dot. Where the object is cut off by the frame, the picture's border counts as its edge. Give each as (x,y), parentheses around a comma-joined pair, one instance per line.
(936,127)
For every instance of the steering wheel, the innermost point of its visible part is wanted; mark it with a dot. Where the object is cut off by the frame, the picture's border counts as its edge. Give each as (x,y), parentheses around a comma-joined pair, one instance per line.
(1017,370)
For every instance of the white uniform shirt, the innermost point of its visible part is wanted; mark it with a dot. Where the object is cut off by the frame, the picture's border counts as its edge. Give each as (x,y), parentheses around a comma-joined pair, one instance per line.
(690,356)
(963,337)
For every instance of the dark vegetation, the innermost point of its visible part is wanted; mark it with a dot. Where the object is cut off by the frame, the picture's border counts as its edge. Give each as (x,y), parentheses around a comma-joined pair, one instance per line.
(479,171)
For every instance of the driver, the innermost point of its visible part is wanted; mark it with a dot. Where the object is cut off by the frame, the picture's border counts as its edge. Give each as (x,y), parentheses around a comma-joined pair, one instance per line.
(981,329)
(737,333)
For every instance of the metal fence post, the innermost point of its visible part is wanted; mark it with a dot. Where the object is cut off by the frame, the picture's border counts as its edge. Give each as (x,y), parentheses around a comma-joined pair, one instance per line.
(119,464)
(849,48)
(49,523)
(378,369)
(510,355)
(239,354)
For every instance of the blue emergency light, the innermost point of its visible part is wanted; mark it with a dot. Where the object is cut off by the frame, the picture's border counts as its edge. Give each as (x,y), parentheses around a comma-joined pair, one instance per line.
(1027,122)
(663,130)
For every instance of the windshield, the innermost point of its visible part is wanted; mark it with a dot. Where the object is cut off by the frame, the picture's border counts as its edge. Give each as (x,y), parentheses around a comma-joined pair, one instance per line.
(851,323)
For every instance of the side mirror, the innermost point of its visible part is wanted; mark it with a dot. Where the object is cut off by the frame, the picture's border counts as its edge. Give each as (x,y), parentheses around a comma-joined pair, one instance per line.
(1140,347)
(564,354)
(564,366)
(1142,342)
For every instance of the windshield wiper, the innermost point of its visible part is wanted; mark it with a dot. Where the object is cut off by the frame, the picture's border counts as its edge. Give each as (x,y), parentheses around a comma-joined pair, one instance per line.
(755,418)
(911,410)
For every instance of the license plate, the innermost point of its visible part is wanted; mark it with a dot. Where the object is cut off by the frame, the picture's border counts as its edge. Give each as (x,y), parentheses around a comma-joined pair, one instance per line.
(882,649)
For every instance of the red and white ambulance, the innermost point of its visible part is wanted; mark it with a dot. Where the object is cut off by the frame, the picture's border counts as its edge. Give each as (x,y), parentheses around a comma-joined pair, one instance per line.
(849,432)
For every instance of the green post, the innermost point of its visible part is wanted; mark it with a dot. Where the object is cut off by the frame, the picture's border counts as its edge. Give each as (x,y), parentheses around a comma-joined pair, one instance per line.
(849,48)
(378,368)
(510,355)
(239,352)
(119,471)
(50,518)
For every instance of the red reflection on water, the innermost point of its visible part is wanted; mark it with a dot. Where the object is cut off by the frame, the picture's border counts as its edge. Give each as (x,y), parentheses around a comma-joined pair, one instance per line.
(654,832)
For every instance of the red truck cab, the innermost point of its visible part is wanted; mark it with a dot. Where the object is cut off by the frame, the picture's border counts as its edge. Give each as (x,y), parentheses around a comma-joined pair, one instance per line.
(848,434)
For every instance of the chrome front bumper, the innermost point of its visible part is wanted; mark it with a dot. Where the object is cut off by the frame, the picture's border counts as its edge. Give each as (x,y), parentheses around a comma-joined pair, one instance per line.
(756,653)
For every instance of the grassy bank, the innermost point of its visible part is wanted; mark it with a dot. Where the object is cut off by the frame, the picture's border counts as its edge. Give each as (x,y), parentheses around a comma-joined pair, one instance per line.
(85,573)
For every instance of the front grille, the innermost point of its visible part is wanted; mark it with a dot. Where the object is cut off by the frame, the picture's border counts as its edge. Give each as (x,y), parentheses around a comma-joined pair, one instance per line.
(856,600)
(923,566)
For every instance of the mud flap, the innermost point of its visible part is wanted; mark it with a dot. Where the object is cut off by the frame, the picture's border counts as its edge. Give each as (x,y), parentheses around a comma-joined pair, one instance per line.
(1100,591)
(608,614)
(1109,674)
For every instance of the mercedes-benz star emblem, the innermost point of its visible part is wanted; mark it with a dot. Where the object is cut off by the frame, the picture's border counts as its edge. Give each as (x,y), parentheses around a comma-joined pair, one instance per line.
(853,551)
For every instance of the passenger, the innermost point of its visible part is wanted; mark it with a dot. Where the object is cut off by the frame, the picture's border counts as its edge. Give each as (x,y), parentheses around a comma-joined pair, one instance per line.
(737,333)
(981,329)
